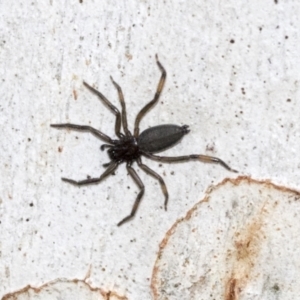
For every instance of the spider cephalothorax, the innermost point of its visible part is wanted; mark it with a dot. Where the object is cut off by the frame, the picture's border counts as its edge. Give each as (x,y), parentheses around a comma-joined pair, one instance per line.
(130,147)
(124,150)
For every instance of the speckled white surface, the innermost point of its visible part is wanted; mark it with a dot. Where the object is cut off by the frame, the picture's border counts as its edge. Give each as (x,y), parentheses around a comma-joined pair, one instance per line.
(233,76)
(248,251)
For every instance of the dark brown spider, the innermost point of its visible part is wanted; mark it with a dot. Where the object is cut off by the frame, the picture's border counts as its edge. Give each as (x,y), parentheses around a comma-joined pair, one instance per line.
(129,148)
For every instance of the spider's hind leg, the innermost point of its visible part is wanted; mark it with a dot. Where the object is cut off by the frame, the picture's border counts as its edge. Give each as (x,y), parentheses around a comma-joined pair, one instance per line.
(158,177)
(203,158)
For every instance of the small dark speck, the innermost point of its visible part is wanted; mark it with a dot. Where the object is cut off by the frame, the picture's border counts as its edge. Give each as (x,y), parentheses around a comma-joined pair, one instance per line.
(172,173)
(232,41)
(80,1)
(27,220)
(210,147)
(243,91)
(286,37)
(29,139)
(276,1)
(276,287)
(31,204)
(60,149)
(288,100)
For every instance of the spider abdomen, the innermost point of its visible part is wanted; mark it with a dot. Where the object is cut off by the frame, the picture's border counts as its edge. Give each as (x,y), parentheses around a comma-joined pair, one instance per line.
(161,137)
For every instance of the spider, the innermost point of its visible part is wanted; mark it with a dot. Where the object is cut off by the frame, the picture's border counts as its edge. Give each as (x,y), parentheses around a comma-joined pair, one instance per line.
(130,147)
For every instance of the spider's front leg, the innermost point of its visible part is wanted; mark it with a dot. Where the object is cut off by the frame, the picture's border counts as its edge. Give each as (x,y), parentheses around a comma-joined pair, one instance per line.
(122,101)
(90,129)
(112,166)
(114,110)
(203,158)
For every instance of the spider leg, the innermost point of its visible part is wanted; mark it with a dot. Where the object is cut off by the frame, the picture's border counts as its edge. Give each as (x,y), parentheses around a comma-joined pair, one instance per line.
(110,106)
(124,114)
(113,165)
(203,158)
(158,177)
(145,109)
(90,129)
(140,184)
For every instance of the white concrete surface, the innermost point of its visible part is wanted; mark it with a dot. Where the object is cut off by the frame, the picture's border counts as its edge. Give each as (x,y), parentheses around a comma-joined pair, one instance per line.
(233,76)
